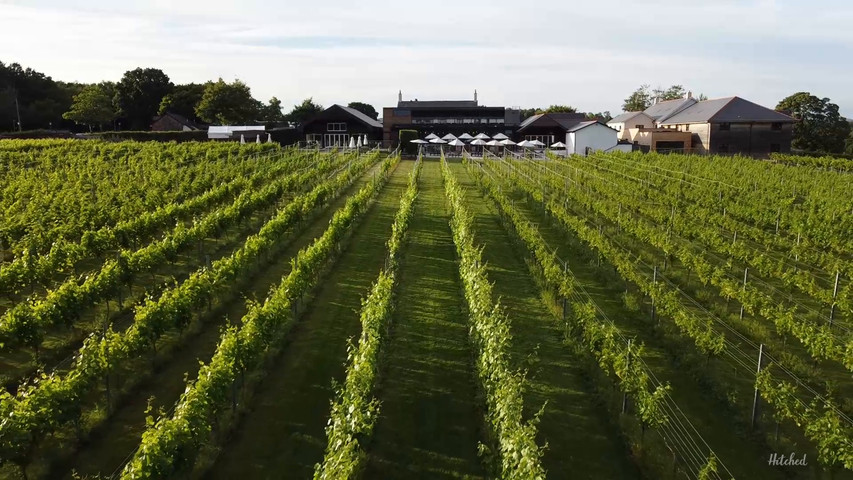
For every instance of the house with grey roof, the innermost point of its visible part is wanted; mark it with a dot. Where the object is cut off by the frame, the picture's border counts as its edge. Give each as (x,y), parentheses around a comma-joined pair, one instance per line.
(625,122)
(337,124)
(731,125)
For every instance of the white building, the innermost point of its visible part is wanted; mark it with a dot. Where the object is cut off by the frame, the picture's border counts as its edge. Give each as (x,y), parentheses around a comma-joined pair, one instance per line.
(581,136)
(631,120)
(234,132)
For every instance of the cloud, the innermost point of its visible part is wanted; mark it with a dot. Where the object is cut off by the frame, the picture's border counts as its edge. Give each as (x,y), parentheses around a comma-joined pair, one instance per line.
(591,55)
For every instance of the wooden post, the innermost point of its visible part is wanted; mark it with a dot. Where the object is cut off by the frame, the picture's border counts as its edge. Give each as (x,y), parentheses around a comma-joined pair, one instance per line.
(755,398)
(627,364)
(745,275)
(654,282)
(834,295)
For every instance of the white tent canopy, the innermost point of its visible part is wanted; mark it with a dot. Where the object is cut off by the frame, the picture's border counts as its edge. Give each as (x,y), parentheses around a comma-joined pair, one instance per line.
(431,136)
(418,141)
(226,131)
(456,143)
(536,143)
(507,142)
(478,141)
(437,140)
(493,143)
(465,136)
(558,145)
(481,136)
(524,143)
(449,137)
(500,136)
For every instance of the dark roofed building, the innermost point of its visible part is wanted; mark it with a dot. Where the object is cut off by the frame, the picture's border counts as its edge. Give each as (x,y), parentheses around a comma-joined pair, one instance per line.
(580,135)
(170,122)
(337,124)
(732,125)
(446,116)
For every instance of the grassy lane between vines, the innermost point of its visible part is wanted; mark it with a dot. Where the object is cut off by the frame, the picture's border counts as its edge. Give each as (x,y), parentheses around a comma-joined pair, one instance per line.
(578,431)
(430,419)
(111,444)
(732,441)
(284,426)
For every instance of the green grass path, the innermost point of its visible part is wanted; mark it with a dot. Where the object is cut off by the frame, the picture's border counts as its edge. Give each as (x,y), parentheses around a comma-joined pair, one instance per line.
(116,439)
(429,420)
(741,454)
(283,434)
(582,442)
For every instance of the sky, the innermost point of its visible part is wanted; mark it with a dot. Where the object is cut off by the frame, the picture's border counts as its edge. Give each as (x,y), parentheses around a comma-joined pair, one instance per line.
(587,54)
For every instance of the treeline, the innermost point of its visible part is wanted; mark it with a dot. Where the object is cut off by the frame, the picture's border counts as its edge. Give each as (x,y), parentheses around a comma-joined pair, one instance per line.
(31,100)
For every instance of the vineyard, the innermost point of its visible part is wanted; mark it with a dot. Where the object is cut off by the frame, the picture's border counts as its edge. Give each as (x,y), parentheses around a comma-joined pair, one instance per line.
(217,310)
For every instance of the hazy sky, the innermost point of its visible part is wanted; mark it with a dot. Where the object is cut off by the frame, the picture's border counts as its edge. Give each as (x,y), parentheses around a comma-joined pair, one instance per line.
(589,54)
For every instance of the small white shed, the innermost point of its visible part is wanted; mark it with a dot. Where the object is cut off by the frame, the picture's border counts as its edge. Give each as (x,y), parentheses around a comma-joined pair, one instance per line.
(591,136)
(233,131)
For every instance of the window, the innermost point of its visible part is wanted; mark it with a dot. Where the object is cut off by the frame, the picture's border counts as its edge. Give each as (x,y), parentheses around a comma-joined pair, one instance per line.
(546,139)
(725,126)
(335,140)
(314,138)
(639,125)
(336,127)
(776,126)
(723,148)
(775,147)
(687,128)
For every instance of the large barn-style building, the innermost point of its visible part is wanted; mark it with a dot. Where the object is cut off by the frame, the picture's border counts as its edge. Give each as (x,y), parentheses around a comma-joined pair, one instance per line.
(336,125)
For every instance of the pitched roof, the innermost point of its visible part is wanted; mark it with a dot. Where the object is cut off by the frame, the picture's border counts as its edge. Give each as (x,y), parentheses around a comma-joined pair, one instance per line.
(583,125)
(180,119)
(667,108)
(728,110)
(437,103)
(361,116)
(564,120)
(623,117)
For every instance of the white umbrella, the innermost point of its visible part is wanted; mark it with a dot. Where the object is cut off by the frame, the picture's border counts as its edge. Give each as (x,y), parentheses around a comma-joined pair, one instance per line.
(437,140)
(493,143)
(465,136)
(351,142)
(500,136)
(269,138)
(431,136)
(449,137)
(418,141)
(478,141)
(365,140)
(358,143)
(507,142)
(456,143)
(524,143)
(558,145)
(482,136)
(536,143)
(242,139)
(258,138)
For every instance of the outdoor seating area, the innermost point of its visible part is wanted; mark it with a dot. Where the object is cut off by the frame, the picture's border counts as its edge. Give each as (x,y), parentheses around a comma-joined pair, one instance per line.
(480,145)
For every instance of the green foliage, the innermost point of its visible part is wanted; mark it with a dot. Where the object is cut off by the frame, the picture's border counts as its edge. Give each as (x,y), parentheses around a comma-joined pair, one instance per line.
(365,108)
(519,455)
(560,109)
(643,97)
(821,128)
(304,111)
(39,99)
(272,111)
(93,106)
(138,95)
(227,103)
(183,100)
(405,138)
(170,446)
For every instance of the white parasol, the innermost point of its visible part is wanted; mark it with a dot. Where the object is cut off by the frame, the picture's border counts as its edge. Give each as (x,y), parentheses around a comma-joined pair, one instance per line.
(431,136)
(500,136)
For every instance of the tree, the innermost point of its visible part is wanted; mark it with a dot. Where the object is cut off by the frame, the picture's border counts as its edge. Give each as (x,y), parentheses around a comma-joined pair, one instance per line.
(820,128)
(560,109)
(272,111)
(643,97)
(365,109)
(182,100)
(639,100)
(33,97)
(304,111)
(529,112)
(227,103)
(603,116)
(139,93)
(93,106)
